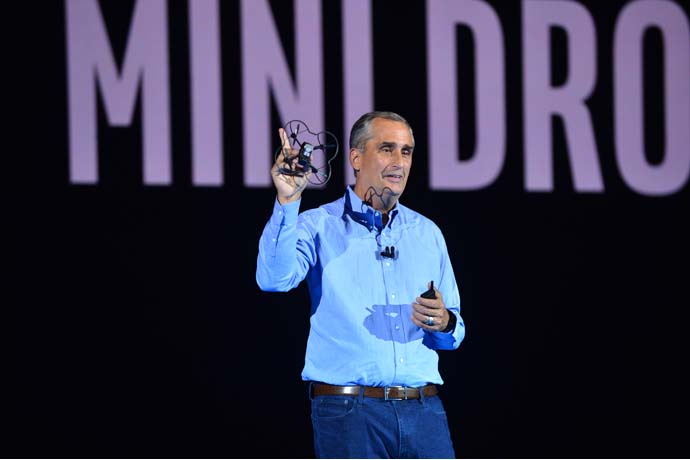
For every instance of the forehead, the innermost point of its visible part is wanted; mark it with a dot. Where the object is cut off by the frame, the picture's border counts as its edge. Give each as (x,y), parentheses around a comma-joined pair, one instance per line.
(384,130)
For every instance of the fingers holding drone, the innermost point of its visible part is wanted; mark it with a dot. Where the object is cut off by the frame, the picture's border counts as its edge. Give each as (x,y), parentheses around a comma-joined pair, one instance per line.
(304,154)
(287,150)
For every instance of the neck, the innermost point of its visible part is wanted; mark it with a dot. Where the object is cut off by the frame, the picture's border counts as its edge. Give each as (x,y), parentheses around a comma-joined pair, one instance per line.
(382,201)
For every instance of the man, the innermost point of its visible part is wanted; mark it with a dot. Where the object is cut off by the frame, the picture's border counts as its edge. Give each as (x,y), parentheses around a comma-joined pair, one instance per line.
(371,360)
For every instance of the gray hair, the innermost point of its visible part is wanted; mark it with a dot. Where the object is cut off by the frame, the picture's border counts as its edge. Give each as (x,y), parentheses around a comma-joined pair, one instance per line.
(361,130)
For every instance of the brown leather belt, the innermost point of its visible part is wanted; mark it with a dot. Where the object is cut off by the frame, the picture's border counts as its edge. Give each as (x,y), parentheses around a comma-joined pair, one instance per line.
(388,392)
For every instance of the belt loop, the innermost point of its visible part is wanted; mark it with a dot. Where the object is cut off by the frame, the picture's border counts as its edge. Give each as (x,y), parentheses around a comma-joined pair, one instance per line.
(422,398)
(361,394)
(310,390)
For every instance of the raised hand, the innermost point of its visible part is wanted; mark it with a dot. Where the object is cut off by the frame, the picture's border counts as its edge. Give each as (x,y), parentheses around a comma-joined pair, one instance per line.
(288,186)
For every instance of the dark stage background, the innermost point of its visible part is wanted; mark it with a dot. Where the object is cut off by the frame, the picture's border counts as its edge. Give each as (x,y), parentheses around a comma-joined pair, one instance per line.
(140,330)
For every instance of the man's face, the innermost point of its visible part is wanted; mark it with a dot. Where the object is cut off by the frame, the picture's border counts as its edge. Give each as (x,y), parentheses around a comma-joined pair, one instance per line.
(386,161)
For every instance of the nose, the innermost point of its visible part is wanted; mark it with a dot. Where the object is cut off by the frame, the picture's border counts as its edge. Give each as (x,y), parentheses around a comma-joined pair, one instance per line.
(397,158)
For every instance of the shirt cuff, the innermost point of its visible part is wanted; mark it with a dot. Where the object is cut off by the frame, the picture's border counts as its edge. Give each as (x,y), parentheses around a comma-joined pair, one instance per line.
(285,214)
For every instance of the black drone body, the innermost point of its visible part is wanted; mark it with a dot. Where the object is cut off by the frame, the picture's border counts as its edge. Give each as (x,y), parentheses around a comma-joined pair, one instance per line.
(315,153)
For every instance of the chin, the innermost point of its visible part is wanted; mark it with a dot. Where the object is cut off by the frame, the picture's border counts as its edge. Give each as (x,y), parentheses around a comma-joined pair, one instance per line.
(393,191)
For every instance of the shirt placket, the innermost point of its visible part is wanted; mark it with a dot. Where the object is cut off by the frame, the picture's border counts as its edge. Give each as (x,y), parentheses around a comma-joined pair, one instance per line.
(395,319)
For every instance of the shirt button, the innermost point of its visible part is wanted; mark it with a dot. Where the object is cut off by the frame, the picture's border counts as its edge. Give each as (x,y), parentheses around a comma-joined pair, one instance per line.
(393,296)
(397,328)
(401,360)
(388,264)
(274,240)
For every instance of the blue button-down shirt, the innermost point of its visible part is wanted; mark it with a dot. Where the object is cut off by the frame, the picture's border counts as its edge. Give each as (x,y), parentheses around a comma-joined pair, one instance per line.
(361,330)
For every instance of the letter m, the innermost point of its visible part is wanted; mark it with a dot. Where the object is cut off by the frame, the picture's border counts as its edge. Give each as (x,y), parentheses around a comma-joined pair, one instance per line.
(90,64)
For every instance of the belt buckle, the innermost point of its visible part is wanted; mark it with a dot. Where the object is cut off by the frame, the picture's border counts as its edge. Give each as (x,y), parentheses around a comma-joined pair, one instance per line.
(389,398)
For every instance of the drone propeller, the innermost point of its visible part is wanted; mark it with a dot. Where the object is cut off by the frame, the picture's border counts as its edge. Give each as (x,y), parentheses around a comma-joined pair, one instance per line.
(294,137)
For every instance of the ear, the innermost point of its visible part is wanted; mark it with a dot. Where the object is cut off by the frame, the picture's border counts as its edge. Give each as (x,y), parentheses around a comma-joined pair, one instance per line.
(355,158)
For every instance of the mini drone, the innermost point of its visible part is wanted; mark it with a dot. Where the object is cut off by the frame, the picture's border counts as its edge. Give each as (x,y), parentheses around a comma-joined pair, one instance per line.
(315,152)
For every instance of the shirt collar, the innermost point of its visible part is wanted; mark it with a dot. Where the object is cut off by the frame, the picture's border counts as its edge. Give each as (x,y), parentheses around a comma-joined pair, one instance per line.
(364,214)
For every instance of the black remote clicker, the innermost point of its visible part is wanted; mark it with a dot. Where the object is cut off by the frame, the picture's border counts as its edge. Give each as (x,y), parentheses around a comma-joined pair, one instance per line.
(429,294)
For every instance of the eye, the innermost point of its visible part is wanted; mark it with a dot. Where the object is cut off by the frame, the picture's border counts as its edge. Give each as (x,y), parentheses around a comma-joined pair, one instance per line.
(386,149)
(407,152)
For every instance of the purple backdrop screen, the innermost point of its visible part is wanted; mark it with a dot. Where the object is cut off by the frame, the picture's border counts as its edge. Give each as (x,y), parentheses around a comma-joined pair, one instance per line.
(552,149)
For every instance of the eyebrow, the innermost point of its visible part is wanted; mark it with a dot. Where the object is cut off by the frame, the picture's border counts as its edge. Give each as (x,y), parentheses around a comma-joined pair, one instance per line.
(393,144)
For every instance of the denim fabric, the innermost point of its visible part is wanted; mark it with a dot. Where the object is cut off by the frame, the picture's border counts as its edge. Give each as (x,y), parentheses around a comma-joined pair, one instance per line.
(360,427)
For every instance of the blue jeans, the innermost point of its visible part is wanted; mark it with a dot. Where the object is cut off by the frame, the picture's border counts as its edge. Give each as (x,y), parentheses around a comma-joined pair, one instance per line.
(361,427)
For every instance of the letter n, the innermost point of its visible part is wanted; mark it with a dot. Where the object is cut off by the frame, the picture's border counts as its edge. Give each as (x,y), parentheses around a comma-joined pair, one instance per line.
(265,72)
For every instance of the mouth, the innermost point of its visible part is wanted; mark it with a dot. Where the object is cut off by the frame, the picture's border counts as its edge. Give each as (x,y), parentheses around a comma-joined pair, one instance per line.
(396,178)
